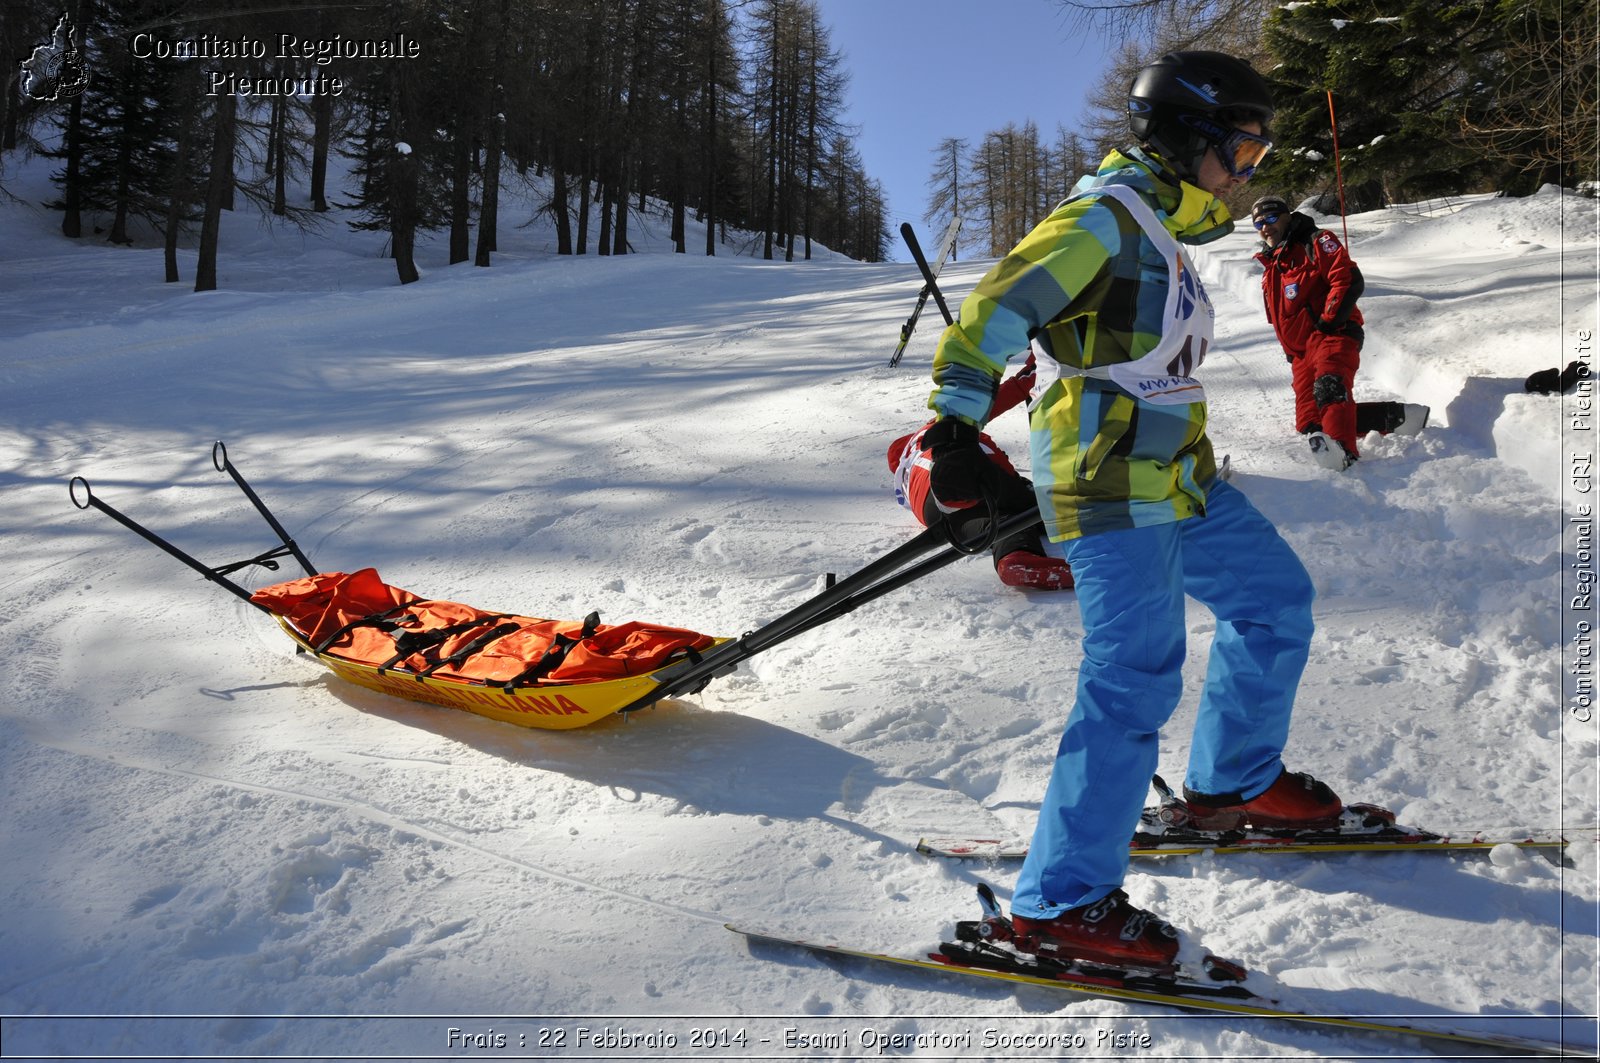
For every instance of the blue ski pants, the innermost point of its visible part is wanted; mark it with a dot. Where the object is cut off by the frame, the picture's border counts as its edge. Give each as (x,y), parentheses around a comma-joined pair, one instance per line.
(1131,586)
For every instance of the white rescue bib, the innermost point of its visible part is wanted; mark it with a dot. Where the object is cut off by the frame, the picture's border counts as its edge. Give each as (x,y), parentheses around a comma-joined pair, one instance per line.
(1163,376)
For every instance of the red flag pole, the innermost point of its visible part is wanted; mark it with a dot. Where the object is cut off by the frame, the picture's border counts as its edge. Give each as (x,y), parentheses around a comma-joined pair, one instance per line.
(1333,123)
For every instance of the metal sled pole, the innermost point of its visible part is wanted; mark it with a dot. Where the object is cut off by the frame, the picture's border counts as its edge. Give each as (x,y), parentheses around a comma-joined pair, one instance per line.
(894,570)
(219,458)
(78,483)
(216,574)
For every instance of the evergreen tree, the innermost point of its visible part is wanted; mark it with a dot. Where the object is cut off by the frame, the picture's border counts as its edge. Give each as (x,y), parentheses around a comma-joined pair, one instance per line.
(1402,78)
(1539,116)
(24,26)
(401,157)
(619,102)
(719,85)
(123,136)
(181,100)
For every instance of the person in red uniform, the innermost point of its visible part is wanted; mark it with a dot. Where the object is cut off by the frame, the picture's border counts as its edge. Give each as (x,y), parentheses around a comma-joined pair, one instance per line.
(1020,560)
(1310,285)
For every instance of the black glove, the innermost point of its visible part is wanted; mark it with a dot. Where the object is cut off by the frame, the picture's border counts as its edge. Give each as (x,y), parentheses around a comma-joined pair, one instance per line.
(1323,324)
(1574,372)
(961,470)
(1544,382)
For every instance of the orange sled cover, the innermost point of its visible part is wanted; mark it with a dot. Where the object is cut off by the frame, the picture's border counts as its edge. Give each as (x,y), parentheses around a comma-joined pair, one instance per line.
(524,670)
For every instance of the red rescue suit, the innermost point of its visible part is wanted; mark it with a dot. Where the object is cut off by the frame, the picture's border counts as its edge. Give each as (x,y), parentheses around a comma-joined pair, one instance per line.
(1310,286)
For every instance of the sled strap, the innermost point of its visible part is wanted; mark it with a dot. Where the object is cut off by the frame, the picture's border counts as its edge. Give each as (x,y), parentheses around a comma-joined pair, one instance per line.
(265,560)
(383,619)
(557,652)
(407,643)
(477,644)
(694,657)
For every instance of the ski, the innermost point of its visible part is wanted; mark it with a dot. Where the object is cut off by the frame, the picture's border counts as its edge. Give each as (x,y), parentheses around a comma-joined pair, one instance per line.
(930,274)
(971,957)
(1166,830)
(1189,843)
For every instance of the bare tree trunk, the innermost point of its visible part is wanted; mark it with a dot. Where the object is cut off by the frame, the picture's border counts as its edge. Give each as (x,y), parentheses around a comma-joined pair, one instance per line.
(679,180)
(72,183)
(177,198)
(489,213)
(322,134)
(119,220)
(403,218)
(460,193)
(583,212)
(709,152)
(558,208)
(219,187)
(279,136)
(769,218)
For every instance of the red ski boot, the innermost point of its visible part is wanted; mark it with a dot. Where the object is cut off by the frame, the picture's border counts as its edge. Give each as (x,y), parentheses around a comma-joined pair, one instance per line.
(1024,568)
(1109,931)
(1296,800)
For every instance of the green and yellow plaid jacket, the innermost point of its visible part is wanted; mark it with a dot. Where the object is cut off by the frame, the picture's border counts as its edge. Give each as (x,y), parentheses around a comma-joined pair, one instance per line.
(1090,287)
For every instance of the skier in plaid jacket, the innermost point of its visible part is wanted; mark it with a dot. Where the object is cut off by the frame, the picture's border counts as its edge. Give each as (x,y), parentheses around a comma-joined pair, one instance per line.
(1105,297)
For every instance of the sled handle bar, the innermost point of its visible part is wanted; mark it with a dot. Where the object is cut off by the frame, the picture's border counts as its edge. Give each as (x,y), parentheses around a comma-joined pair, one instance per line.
(78,483)
(890,572)
(83,497)
(219,458)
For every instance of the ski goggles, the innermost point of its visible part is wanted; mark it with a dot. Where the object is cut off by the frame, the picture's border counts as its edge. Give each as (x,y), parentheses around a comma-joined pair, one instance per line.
(1240,152)
(1266,220)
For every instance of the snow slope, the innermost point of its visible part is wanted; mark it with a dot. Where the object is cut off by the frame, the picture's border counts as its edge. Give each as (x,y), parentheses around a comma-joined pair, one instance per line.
(198,825)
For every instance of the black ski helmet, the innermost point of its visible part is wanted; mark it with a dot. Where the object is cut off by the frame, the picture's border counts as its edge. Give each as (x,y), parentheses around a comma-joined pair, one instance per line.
(1177,103)
(1269,204)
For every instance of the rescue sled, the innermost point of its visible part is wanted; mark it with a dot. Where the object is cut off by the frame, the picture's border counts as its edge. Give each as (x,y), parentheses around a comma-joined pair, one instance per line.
(519,669)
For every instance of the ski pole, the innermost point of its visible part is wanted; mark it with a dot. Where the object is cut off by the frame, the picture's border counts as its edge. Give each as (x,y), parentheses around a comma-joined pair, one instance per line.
(1333,124)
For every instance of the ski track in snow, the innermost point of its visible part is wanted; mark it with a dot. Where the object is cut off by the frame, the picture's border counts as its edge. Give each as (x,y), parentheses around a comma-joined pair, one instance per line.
(199,823)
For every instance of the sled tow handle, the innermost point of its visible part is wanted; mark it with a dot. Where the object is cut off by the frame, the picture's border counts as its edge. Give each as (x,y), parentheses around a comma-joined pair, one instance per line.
(890,572)
(83,497)
(219,458)
(79,486)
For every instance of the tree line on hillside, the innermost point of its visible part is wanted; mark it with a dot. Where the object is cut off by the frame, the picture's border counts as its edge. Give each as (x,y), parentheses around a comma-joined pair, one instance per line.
(727,111)
(1432,101)
(1006,184)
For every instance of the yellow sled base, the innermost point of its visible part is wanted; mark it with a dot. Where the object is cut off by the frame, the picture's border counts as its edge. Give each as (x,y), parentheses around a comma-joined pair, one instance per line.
(547,707)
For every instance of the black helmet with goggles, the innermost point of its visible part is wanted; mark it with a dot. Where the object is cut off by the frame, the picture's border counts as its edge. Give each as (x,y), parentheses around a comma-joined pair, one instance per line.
(1188,103)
